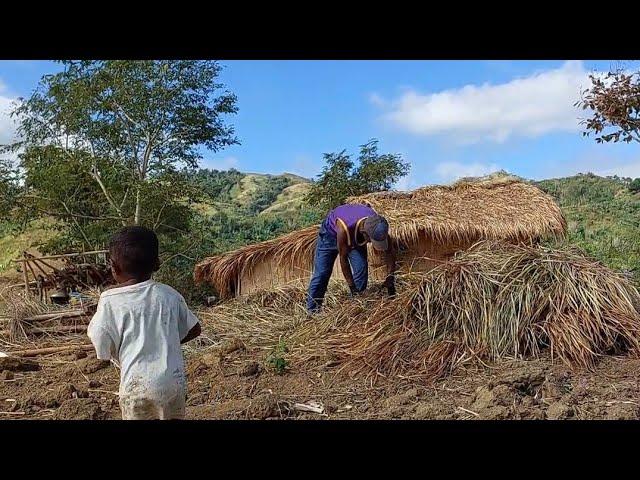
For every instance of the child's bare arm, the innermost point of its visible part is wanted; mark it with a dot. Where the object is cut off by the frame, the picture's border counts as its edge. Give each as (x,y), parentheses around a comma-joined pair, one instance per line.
(193,333)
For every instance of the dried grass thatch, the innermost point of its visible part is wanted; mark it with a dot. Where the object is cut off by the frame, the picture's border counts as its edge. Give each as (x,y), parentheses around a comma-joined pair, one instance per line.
(496,207)
(262,318)
(428,222)
(21,318)
(224,272)
(494,301)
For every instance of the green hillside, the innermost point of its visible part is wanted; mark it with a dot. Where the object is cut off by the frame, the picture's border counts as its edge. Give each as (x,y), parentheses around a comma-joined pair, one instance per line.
(13,243)
(250,193)
(603,217)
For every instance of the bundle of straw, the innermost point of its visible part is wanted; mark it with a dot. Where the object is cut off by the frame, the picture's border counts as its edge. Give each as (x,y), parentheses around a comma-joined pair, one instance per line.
(493,301)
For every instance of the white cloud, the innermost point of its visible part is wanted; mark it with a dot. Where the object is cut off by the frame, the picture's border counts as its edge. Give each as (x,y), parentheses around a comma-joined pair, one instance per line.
(631,170)
(221,163)
(7,124)
(449,171)
(531,106)
(377,100)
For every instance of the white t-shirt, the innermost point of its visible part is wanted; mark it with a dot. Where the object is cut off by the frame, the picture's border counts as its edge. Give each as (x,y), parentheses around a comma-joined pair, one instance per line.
(141,326)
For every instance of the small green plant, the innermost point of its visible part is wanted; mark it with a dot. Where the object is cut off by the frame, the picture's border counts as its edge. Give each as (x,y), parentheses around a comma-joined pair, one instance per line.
(276,360)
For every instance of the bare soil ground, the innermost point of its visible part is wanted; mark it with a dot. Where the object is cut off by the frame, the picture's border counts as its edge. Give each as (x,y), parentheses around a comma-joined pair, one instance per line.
(237,384)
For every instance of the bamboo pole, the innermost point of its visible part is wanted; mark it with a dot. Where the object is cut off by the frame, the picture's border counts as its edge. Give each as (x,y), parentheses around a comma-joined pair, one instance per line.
(64,255)
(20,284)
(55,270)
(58,329)
(28,264)
(56,315)
(24,274)
(44,351)
(35,262)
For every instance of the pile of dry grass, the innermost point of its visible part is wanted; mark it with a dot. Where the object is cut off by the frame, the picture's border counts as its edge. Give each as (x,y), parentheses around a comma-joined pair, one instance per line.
(492,301)
(14,311)
(19,322)
(263,318)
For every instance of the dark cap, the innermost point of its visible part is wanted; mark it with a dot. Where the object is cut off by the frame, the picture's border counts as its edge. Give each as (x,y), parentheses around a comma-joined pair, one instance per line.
(377,228)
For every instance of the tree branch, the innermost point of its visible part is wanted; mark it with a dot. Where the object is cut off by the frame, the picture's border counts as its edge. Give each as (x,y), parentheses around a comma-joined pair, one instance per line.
(94,173)
(145,158)
(69,213)
(78,226)
(124,199)
(127,120)
(123,112)
(157,222)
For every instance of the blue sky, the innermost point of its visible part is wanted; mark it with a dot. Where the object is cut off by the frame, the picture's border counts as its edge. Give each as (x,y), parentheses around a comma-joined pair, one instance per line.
(447,118)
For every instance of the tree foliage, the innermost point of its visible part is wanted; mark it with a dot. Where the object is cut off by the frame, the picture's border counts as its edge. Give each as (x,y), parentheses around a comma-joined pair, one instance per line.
(217,184)
(603,218)
(341,177)
(614,100)
(107,143)
(8,188)
(268,194)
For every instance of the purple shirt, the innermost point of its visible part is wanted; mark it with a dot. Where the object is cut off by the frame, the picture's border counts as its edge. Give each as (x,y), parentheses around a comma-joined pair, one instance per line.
(350,215)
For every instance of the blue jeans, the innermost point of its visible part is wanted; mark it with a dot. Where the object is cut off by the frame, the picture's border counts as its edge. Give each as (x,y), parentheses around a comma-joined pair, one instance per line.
(325,257)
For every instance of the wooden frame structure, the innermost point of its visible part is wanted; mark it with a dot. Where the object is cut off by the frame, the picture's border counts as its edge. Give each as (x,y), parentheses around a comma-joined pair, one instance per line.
(40,275)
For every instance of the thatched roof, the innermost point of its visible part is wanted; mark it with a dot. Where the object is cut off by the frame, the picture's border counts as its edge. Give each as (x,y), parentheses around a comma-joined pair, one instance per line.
(493,207)
(223,271)
(489,208)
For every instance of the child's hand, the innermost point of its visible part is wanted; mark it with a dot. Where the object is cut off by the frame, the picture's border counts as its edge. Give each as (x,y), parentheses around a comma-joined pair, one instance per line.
(193,333)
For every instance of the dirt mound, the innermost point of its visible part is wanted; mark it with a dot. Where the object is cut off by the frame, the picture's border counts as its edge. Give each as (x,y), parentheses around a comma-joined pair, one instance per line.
(92,365)
(250,369)
(80,409)
(559,411)
(51,397)
(623,411)
(15,364)
(264,407)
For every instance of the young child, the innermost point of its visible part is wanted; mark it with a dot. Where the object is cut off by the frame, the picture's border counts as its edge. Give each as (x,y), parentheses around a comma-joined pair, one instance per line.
(141,324)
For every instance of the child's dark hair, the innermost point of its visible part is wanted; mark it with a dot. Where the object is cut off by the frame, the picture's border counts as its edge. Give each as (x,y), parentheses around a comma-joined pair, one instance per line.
(135,251)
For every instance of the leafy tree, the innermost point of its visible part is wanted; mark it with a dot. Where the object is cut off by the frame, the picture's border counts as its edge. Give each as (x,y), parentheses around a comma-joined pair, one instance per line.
(614,100)
(8,188)
(125,126)
(615,104)
(341,178)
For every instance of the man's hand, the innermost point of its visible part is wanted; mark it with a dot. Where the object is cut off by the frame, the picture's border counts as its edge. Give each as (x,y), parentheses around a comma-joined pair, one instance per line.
(391,257)
(390,284)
